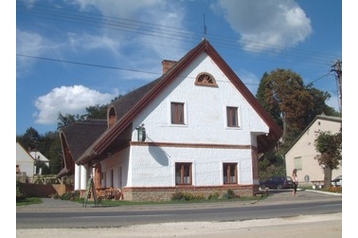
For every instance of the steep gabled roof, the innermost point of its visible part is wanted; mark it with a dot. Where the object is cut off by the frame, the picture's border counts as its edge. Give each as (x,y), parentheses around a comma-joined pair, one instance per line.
(139,99)
(322,117)
(22,154)
(124,104)
(39,156)
(76,138)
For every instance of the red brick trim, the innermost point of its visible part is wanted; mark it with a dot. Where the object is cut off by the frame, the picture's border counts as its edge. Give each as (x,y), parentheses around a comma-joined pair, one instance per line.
(190,145)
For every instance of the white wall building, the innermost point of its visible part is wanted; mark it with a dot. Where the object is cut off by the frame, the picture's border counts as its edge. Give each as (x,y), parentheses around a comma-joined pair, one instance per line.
(301,155)
(24,163)
(204,134)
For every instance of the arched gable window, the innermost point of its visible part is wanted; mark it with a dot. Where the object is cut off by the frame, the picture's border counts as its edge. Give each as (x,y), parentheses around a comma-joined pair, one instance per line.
(205,79)
(112,117)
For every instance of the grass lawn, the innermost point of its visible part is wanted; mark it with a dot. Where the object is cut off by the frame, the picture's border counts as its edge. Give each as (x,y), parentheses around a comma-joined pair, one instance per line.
(28,201)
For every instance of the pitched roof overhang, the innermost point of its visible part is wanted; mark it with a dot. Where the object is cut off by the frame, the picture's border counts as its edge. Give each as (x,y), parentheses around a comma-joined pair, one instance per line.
(153,89)
(76,139)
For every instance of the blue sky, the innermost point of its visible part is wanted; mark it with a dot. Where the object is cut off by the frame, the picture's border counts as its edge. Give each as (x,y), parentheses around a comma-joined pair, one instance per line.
(73,54)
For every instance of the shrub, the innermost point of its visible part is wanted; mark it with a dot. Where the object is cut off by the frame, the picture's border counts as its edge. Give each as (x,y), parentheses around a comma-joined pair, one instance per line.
(20,195)
(180,196)
(229,194)
(215,195)
(335,189)
(72,196)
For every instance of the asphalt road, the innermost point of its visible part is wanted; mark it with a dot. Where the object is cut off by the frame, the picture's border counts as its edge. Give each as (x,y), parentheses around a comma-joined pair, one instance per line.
(325,225)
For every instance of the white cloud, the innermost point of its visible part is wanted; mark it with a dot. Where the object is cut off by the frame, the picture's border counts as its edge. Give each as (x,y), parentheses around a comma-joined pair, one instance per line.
(68,100)
(168,25)
(126,17)
(28,43)
(92,42)
(266,25)
(124,9)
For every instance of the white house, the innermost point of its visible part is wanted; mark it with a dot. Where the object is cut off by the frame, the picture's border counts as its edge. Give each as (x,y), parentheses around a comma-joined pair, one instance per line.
(24,163)
(195,129)
(38,156)
(301,154)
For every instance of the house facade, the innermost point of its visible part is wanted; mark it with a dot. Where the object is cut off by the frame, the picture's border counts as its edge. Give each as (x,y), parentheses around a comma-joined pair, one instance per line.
(196,129)
(38,156)
(24,164)
(301,155)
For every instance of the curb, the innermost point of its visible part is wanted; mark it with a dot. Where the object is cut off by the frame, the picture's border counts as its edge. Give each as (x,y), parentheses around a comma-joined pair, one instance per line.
(323,192)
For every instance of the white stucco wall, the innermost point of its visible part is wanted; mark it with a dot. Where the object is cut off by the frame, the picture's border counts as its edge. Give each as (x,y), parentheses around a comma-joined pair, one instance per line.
(205,111)
(205,123)
(118,163)
(24,160)
(155,166)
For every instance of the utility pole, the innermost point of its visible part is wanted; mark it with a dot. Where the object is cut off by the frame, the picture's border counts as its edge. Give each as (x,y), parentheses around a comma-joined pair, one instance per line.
(337,67)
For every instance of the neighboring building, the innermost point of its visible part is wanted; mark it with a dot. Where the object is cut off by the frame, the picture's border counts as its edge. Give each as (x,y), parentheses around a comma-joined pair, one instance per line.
(38,156)
(301,154)
(24,164)
(195,129)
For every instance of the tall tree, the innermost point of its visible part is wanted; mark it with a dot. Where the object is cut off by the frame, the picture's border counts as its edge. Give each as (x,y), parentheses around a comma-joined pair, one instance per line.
(30,140)
(291,104)
(330,148)
(54,152)
(93,112)
(265,97)
(68,119)
(48,145)
(97,112)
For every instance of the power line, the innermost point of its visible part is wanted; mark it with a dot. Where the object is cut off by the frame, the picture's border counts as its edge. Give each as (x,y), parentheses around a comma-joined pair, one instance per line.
(86,64)
(162,31)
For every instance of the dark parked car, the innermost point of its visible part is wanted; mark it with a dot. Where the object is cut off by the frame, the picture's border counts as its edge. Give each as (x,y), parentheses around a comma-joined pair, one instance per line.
(277,182)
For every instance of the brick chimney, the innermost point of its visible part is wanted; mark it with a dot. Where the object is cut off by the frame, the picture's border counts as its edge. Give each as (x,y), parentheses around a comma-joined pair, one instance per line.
(168,64)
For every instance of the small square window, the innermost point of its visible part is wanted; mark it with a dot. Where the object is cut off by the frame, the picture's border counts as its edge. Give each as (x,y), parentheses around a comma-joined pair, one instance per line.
(230,173)
(232,117)
(177,113)
(183,174)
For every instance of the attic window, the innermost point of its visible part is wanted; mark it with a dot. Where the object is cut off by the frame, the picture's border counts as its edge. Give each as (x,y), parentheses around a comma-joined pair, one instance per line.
(111,117)
(205,79)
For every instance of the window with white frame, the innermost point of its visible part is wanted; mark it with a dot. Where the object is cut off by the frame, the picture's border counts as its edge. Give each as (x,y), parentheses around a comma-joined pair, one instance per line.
(183,173)
(230,173)
(232,116)
(177,113)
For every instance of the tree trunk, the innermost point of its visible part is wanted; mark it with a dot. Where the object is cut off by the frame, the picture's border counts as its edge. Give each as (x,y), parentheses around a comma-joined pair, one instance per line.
(327,177)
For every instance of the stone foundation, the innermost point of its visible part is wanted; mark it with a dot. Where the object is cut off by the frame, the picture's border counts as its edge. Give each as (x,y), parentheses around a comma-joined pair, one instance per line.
(165,193)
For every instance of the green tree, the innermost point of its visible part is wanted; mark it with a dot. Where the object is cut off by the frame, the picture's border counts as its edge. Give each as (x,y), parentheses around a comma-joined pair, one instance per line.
(330,148)
(293,106)
(272,164)
(68,119)
(92,112)
(30,139)
(290,103)
(53,151)
(265,96)
(97,112)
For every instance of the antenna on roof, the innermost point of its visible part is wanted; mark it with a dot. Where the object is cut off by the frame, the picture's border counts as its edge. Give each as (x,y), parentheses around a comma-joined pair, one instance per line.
(204,26)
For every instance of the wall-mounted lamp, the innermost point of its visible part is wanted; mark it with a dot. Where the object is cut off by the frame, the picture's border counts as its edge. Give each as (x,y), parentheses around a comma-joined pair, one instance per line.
(141,132)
